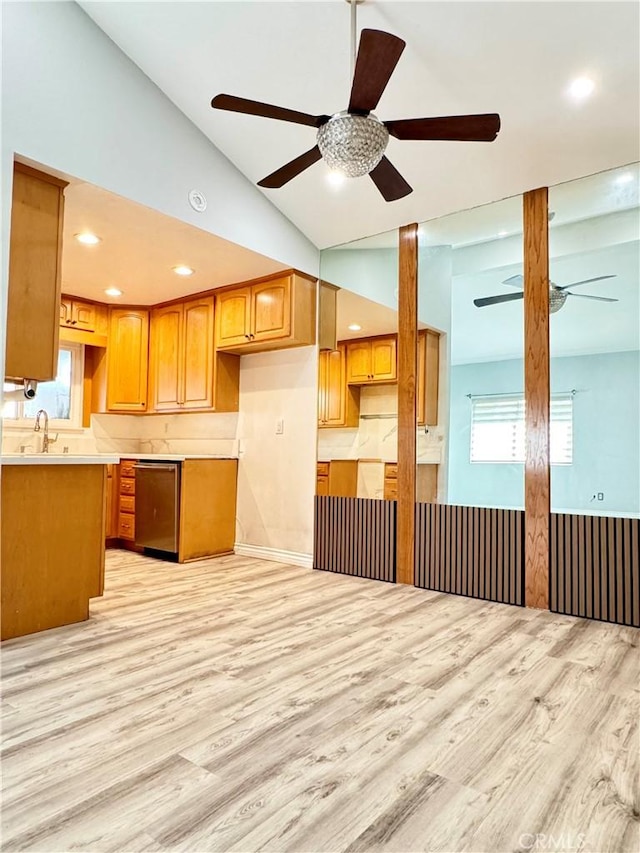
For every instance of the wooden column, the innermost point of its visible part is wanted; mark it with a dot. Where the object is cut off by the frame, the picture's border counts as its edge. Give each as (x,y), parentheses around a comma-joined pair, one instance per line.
(407,364)
(537,393)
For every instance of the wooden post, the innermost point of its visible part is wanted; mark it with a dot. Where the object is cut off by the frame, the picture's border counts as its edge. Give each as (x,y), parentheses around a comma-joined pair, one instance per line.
(407,363)
(537,483)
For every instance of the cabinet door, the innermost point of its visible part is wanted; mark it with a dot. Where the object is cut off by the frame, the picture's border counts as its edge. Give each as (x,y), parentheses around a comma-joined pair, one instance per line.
(33,298)
(358,362)
(335,388)
(198,358)
(166,358)
(271,310)
(383,359)
(83,316)
(431,377)
(322,387)
(127,360)
(233,317)
(66,311)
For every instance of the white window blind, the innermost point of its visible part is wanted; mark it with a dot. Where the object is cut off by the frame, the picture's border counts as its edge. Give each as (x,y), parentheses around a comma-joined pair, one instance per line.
(497,428)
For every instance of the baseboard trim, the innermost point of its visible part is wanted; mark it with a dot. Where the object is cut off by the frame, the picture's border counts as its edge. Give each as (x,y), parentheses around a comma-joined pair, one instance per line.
(275,554)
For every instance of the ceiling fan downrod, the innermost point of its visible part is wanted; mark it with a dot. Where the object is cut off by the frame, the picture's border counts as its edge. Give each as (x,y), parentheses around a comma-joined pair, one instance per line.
(354,35)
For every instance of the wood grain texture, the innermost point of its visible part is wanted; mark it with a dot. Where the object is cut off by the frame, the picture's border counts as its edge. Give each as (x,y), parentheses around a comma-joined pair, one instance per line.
(407,412)
(595,567)
(470,551)
(235,704)
(355,536)
(208,490)
(52,548)
(35,261)
(127,360)
(537,478)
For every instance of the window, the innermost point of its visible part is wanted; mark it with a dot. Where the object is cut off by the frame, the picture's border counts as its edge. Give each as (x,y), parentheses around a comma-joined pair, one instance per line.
(497,428)
(61,398)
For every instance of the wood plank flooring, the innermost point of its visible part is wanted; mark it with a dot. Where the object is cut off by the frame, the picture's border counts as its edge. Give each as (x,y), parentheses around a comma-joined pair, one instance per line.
(240,705)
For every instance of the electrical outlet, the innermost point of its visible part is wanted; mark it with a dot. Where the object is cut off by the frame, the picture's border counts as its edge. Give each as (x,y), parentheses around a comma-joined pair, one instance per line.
(280,426)
(600,496)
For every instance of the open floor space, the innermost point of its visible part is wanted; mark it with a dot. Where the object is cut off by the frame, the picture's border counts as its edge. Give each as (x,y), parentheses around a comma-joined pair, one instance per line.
(238,704)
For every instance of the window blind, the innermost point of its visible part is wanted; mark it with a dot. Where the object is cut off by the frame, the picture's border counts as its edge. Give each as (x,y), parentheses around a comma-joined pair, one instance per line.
(498,428)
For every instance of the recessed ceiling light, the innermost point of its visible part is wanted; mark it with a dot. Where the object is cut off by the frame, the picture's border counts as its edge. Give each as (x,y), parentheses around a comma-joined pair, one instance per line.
(354,327)
(87,238)
(625,178)
(182,270)
(336,178)
(581,88)
(113,291)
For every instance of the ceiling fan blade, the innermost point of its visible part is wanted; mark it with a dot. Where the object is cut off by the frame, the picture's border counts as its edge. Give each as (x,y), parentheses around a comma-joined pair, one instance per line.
(473,128)
(586,281)
(257,108)
(389,181)
(515,281)
(597,298)
(285,173)
(496,300)
(378,55)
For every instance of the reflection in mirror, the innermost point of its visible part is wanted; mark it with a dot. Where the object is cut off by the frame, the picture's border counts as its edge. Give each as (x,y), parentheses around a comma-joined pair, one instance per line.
(470,290)
(595,340)
(358,399)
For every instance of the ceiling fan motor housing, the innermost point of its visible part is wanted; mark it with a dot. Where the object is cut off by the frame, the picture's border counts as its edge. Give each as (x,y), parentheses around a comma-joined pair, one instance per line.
(557,298)
(353,144)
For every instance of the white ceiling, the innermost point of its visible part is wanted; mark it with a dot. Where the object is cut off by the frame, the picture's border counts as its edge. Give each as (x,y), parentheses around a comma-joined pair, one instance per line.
(462,57)
(138,249)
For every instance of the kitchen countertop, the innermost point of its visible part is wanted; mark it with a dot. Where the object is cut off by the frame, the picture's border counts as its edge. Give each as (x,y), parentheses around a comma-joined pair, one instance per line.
(99,458)
(58,459)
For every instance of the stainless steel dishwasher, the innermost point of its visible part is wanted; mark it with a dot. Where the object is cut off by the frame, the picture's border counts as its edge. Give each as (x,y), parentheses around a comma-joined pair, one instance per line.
(157,505)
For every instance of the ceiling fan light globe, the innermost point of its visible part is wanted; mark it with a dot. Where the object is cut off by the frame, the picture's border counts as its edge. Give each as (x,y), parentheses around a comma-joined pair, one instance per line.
(353,144)
(557,298)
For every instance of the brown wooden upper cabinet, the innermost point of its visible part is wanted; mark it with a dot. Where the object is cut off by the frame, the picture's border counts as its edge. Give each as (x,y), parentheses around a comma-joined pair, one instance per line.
(273,313)
(338,405)
(127,360)
(371,360)
(428,377)
(78,314)
(33,299)
(182,356)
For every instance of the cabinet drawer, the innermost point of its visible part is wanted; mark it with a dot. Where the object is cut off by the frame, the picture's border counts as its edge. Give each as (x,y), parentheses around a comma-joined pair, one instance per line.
(390,471)
(322,469)
(127,468)
(127,486)
(391,490)
(127,503)
(126,526)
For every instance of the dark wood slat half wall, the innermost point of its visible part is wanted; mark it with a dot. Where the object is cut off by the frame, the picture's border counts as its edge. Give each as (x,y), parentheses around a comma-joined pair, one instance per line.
(355,536)
(471,551)
(595,567)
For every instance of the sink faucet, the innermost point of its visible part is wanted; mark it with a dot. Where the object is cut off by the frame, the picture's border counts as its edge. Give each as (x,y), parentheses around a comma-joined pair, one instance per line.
(46,441)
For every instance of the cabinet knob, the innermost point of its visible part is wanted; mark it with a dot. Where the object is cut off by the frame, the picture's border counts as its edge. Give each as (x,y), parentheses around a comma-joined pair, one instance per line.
(247,336)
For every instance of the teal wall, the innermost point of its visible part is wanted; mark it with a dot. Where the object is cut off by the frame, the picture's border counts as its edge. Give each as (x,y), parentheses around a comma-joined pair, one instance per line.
(606,434)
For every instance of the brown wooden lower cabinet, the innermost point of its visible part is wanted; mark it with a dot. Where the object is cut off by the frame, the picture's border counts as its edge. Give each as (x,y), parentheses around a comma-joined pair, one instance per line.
(51,545)
(338,478)
(126,500)
(426,482)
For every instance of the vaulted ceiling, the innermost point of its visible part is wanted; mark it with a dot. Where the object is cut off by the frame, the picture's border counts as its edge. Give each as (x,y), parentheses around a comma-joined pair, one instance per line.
(514,58)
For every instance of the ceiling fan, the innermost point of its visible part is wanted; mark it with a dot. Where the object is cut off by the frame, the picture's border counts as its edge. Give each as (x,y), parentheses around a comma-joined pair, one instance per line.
(557,295)
(354,141)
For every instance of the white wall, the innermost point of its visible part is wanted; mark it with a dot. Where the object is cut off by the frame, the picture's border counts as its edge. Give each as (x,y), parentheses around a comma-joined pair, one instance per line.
(72,101)
(277,473)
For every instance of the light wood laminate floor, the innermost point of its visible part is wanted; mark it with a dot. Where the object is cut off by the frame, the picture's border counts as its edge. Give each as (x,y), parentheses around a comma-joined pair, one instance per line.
(236,704)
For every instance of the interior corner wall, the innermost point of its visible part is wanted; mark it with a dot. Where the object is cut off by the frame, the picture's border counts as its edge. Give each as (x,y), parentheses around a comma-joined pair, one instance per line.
(72,101)
(277,472)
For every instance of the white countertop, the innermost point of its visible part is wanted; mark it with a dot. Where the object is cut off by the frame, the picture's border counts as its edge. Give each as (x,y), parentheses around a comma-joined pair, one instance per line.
(99,458)
(57,459)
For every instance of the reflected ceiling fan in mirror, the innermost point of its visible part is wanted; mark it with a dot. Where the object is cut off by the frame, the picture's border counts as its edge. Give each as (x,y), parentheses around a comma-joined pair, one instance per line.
(557,295)
(354,141)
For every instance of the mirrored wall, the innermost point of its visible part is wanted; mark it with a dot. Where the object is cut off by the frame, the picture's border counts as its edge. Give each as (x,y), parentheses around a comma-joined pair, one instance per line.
(358,392)
(470,294)
(594,268)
